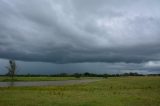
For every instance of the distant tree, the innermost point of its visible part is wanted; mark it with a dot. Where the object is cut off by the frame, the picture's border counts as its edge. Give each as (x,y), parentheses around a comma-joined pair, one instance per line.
(86,74)
(12,69)
(77,75)
(63,75)
(105,75)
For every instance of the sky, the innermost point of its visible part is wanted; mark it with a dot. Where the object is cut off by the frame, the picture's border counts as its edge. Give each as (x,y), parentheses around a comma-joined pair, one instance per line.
(99,36)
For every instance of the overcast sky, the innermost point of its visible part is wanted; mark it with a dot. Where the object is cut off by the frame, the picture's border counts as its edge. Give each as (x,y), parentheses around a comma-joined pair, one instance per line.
(100,36)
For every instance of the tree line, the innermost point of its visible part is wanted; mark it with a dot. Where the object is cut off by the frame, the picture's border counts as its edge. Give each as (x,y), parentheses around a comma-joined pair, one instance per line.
(12,73)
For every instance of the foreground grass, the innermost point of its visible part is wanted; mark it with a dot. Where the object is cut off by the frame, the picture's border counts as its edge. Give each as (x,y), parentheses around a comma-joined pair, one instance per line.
(125,91)
(6,79)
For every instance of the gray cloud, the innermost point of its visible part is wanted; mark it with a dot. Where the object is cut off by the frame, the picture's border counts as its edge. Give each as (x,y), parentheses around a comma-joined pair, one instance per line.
(74,31)
(150,67)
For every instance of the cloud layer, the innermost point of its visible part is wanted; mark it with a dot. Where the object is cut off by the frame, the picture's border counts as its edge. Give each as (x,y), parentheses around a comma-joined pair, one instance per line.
(150,67)
(74,31)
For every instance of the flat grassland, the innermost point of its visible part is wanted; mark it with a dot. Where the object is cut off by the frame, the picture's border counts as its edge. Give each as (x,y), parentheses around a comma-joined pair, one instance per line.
(6,79)
(117,91)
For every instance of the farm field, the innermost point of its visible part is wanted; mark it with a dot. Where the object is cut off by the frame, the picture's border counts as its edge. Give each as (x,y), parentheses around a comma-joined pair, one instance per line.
(116,91)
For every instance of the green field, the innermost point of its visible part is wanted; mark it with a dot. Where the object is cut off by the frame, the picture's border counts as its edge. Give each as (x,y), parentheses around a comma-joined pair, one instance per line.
(6,79)
(120,91)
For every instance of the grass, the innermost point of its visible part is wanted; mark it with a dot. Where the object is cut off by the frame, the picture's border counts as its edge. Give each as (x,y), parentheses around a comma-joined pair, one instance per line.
(122,91)
(7,79)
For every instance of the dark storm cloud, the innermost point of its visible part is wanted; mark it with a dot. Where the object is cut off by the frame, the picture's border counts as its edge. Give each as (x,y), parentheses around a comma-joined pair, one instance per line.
(150,67)
(73,31)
